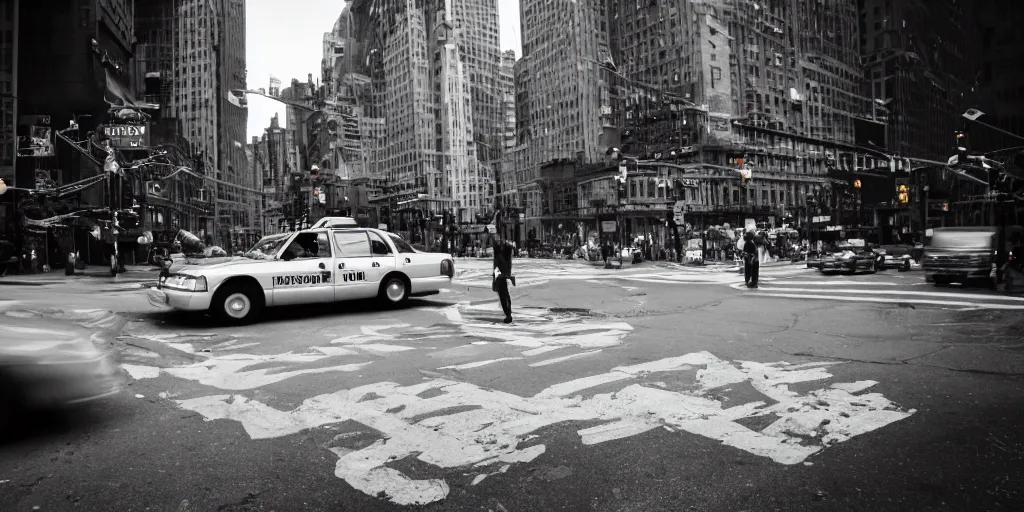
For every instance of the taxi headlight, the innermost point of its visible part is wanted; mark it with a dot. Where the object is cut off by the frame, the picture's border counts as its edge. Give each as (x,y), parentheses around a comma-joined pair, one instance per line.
(185,283)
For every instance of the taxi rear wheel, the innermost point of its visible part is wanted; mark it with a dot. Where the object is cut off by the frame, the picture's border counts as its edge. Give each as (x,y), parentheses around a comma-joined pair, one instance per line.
(236,304)
(394,290)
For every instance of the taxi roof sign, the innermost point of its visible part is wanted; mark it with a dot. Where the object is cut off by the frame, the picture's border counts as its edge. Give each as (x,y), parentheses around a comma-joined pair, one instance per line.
(336,222)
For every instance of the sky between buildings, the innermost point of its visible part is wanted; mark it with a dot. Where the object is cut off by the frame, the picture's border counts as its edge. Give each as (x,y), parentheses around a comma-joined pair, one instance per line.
(285,39)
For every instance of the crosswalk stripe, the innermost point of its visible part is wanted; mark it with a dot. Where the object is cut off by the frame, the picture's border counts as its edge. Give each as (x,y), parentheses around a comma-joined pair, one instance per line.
(900,292)
(969,305)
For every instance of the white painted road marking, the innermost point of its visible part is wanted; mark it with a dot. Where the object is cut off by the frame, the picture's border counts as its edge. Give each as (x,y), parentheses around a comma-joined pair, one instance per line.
(491,431)
(547,362)
(879,292)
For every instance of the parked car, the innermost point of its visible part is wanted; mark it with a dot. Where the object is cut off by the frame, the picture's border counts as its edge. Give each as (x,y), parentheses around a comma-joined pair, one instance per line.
(965,255)
(305,267)
(850,257)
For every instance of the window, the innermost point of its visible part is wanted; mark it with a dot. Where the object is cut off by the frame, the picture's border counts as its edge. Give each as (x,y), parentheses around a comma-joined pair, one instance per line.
(309,245)
(378,246)
(401,244)
(352,244)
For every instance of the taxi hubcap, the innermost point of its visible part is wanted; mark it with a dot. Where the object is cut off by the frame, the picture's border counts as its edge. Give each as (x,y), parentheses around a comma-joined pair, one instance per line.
(237,305)
(395,290)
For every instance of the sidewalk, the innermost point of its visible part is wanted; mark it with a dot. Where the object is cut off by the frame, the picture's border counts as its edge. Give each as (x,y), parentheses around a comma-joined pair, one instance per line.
(132,274)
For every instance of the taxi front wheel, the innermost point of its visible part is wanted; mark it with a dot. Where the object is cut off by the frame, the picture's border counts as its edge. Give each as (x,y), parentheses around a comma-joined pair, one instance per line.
(394,290)
(236,304)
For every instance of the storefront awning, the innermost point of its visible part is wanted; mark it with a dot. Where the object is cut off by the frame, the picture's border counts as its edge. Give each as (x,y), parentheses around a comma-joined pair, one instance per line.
(117,95)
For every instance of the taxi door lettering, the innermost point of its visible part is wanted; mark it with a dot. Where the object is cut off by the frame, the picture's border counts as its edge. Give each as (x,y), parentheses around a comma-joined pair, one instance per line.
(351,277)
(299,280)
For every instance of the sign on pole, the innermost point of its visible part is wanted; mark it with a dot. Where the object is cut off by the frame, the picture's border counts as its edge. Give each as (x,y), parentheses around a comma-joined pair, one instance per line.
(127,136)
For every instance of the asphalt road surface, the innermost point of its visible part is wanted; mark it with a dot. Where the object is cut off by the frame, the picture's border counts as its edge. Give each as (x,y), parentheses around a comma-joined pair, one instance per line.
(651,388)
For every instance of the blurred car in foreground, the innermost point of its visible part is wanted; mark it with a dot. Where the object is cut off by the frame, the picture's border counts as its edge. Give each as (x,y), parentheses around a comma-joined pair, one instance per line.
(46,369)
(966,255)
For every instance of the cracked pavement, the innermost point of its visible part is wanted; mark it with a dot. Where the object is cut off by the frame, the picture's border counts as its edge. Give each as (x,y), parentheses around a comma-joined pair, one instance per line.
(959,371)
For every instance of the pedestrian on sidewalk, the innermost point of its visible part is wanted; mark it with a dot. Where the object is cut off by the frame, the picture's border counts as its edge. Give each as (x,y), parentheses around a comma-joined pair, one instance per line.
(751,262)
(502,274)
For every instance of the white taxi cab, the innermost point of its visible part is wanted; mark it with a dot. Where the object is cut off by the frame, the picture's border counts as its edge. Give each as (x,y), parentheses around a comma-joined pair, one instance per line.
(318,265)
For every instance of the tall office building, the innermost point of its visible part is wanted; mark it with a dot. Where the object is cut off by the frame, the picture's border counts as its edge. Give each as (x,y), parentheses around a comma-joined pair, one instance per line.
(921,65)
(297,94)
(196,90)
(1001,79)
(564,111)
(238,206)
(565,42)
(275,177)
(505,177)
(8,96)
(422,61)
(475,26)
(192,54)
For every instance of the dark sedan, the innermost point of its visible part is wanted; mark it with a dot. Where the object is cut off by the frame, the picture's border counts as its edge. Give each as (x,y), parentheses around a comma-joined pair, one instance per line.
(898,256)
(850,258)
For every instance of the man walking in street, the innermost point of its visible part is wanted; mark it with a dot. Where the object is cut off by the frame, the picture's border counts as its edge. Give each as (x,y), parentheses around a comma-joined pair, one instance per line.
(502,274)
(751,264)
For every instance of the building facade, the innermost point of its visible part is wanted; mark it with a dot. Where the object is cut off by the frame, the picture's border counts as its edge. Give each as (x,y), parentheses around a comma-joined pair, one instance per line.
(236,192)
(422,79)
(505,175)
(564,110)
(276,179)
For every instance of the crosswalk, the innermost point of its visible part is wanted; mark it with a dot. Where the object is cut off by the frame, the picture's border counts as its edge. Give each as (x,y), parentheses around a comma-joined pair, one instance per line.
(533,272)
(776,281)
(883,288)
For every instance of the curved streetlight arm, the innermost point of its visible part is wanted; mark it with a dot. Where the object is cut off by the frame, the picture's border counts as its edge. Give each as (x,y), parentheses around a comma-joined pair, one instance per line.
(275,98)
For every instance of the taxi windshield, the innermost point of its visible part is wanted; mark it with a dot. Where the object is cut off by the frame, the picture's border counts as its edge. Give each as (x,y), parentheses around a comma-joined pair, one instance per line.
(266,248)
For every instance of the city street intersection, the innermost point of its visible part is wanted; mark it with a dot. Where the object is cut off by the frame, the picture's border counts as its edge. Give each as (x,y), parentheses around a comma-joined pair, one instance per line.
(653,387)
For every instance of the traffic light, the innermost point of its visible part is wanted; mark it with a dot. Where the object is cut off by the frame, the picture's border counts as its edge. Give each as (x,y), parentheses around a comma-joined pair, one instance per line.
(945,207)
(314,172)
(903,193)
(856,184)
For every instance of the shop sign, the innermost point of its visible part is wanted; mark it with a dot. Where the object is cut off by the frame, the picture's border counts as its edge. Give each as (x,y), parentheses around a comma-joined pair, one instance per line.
(608,226)
(127,136)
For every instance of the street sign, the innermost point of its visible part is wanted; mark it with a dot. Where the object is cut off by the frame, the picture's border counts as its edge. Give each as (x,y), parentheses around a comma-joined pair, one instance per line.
(127,136)
(608,226)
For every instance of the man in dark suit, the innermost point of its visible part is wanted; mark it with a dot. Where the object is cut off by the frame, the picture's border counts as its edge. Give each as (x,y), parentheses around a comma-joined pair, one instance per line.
(502,273)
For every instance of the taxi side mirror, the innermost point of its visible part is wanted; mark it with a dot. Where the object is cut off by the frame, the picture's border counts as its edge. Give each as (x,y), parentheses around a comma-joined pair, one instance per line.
(288,255)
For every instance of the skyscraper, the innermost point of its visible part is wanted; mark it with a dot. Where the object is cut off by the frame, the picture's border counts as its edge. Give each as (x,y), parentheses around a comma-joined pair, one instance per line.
(192,53)
(427,63)
(564,111)
(920,68)
(237,207)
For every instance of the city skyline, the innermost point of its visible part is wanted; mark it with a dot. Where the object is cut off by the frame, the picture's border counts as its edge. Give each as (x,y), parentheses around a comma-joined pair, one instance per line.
(295,49)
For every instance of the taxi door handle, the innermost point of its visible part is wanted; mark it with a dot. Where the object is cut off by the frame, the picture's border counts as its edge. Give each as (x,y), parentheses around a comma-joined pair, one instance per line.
(407,260)
(341,266)
(322,266)
(375,264)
